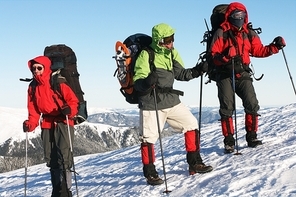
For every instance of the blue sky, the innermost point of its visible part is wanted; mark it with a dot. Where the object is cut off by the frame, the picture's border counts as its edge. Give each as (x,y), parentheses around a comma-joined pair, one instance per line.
(91,28)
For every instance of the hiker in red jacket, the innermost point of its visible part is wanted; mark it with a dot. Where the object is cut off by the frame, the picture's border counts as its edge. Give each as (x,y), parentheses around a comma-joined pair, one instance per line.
(53,108)
(235,51)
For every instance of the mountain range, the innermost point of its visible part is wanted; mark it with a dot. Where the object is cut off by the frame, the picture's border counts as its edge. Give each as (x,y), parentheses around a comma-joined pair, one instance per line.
(104,130)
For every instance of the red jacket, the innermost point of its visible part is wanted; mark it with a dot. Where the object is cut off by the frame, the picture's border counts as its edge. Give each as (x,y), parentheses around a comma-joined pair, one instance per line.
(223,50)
(41,101)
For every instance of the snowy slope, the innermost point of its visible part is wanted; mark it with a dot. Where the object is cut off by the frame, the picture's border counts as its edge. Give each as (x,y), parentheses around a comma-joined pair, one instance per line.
(11,124)
(268,170)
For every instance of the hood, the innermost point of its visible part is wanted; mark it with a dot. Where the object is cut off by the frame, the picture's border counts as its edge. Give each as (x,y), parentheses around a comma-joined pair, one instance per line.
(161,31)
(231,7)
(45,61)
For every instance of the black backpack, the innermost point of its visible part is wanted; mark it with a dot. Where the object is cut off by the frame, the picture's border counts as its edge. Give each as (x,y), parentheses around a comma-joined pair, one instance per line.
(217,18)
(126,56)
(64,70)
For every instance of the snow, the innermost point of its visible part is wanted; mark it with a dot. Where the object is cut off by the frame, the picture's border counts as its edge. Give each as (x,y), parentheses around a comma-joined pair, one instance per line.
(268,170)
(11,124)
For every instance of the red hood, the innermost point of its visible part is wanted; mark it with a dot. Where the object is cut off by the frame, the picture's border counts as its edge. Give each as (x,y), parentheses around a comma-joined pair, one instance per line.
(231,7)
(45,61)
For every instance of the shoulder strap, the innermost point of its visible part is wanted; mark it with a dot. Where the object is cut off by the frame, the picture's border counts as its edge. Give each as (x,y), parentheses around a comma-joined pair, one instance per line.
(231,36)
(55,82)
(56,79)
(249,35)
(151,57)
(230,33)
(33,85)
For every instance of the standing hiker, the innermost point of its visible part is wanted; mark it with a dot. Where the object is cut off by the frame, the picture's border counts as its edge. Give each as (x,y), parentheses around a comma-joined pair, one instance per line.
(54,107)
(235,51)
(168,66)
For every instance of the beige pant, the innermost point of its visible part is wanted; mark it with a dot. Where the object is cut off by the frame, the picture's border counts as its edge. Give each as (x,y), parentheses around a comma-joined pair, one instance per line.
(178,117)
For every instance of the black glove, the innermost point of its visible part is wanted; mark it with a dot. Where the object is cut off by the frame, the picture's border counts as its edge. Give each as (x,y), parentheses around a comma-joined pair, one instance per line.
(279,42)
(199,69)
(66,110)
(228,54)
(151,79)
(237,60)
(26,126)
(238,64)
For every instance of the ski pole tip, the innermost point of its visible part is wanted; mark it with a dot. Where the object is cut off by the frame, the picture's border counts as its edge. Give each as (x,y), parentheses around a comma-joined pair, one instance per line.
(167,191)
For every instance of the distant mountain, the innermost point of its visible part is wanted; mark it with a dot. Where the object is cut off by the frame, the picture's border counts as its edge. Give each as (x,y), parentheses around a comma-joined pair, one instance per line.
(115,119)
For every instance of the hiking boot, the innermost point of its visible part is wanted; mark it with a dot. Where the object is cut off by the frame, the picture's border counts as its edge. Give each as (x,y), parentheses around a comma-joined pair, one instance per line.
(61,183)
(154,180)
(228,144)
(199,168)
(151,174)
(251,138)
(228,148)
(229,140)
(253,143)
(61,193)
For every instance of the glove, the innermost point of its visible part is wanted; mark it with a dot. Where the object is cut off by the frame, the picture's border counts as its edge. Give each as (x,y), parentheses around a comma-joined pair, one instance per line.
(151,79)
(237,60)
(226,56)
(199,69)
(279,42)
(66,110)
(27,127)
(238,64)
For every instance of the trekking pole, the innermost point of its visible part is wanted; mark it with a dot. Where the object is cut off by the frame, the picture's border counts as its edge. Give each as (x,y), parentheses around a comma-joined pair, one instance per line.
(288,70)
(160,141)
(203,59)
(71,149)
(26,164)
(234,104)
(200,105)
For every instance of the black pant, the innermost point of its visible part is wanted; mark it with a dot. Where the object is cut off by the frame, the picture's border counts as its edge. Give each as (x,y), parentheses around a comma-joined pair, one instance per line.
(243,88)
(56,144)
(58,156)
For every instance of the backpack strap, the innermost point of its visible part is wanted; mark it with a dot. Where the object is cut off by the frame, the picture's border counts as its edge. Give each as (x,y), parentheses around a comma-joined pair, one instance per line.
(151,57)
(230,33)
(33,85)
(55,81)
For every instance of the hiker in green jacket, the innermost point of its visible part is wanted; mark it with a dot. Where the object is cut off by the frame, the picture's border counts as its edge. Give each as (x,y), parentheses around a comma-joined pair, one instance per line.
(168,67)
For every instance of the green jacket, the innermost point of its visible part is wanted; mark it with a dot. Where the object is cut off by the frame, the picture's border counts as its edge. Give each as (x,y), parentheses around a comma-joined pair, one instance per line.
(168,66)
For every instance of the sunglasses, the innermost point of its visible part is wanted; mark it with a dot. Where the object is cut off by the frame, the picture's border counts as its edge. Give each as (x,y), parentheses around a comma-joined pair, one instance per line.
(238,15)
(167,40)
(37,68)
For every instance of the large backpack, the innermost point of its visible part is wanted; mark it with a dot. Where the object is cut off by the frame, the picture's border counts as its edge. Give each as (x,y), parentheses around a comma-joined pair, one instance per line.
(126,56)
(216,18)
(64,69)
